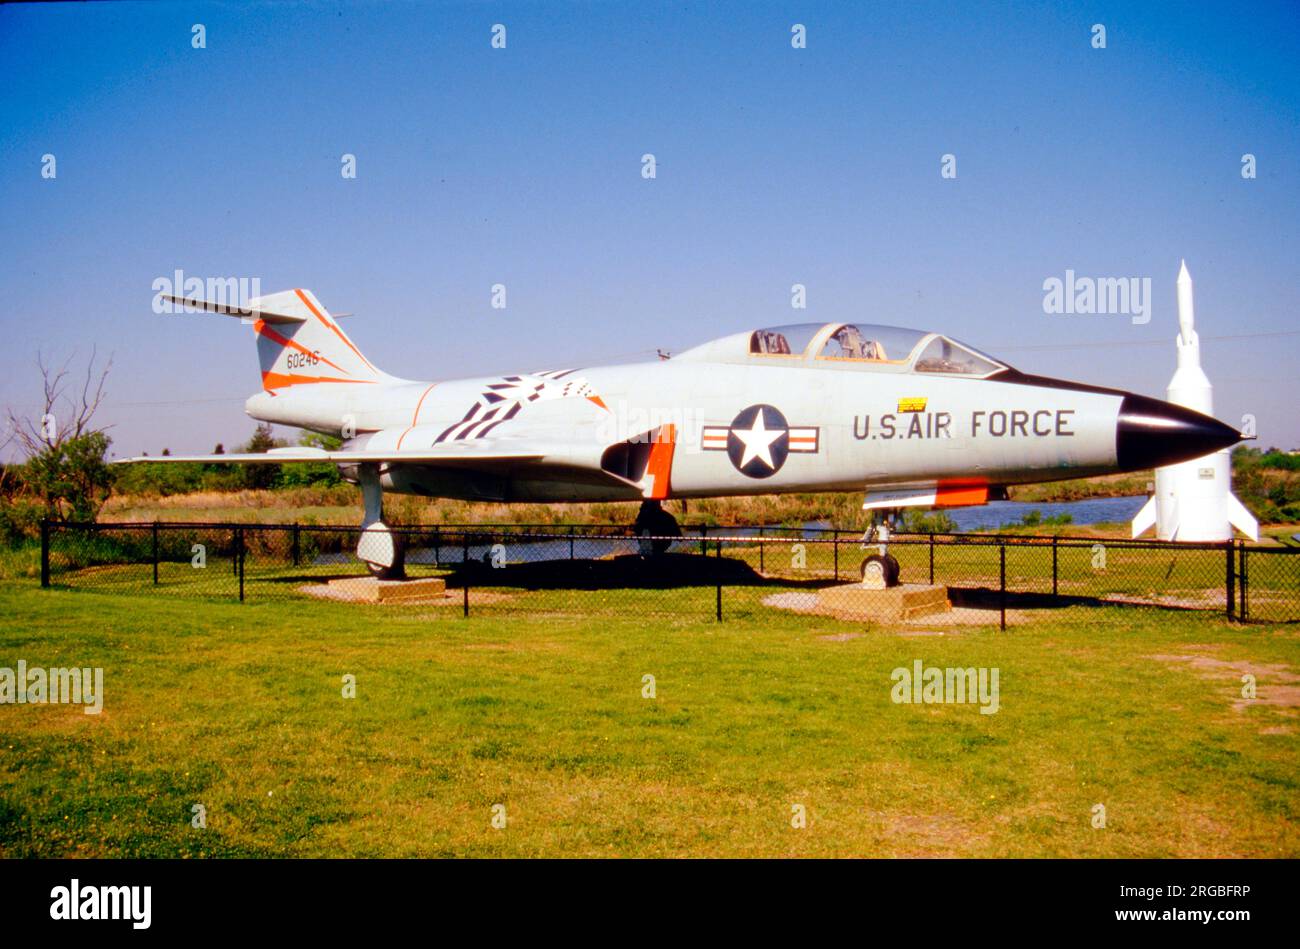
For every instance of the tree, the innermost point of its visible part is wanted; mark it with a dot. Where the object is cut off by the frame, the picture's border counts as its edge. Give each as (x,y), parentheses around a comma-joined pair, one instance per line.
(261,476)
(322,473)
(64,465)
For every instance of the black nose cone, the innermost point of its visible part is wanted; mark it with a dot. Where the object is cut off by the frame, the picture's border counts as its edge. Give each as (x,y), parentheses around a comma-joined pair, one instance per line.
(1152,434)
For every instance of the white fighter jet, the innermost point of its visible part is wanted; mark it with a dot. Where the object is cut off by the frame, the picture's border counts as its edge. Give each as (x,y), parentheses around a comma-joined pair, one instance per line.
(910,417)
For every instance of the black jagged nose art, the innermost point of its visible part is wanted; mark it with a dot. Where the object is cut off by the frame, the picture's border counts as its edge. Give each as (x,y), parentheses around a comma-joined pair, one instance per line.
(1152,434)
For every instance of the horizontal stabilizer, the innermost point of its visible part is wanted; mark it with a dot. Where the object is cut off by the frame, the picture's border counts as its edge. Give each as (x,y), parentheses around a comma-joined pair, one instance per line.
(252,311)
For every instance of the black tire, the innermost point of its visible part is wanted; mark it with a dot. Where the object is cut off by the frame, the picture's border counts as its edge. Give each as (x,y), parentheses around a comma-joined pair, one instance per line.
(658,523)
(886,567)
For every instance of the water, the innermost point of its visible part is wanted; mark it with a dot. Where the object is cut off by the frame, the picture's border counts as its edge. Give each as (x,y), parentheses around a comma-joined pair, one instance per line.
(997,513)
(989,517)
(1086,511)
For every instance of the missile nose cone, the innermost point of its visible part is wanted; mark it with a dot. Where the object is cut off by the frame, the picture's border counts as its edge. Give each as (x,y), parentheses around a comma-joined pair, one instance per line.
(1152,434)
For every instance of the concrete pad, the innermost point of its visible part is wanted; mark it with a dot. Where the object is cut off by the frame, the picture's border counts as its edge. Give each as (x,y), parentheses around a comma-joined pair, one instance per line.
(906,601)
(371,590)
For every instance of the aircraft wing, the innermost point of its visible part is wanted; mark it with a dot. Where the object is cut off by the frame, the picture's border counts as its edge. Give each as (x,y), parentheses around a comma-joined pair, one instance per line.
(551,456)
(459,453)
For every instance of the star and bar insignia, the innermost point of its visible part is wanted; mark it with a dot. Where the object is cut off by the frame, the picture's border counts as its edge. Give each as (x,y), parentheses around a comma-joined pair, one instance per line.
(759,439)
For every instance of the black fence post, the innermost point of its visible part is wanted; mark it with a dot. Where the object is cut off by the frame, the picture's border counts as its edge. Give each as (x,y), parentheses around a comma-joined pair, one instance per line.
(704,543)
(571,529)
(718,588)
(45,552)
(1230,593)
(760,550)
(297,544)
(1055,594)
(931,558)
(1002,585)
(835,545)
(437,546)
(464,592)
(239,555)
(1243,612)
(154,532)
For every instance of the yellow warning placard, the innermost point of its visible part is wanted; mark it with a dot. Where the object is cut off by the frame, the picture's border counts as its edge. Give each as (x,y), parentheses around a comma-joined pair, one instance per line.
(911,405)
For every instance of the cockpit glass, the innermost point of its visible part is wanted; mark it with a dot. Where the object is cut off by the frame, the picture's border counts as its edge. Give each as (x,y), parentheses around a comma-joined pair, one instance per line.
(783,340)
(944,355)
(865,342)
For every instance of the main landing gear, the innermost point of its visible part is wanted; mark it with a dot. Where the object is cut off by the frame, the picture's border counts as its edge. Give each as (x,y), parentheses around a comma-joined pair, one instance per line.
(379,548)
(880,570)
(653,521)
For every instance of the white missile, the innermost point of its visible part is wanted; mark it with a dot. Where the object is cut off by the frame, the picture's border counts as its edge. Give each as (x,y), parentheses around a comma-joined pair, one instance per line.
(1193,500)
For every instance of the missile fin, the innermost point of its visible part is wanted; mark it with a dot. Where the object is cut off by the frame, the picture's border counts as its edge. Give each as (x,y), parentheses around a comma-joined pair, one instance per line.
(1241,518)
(1145,519)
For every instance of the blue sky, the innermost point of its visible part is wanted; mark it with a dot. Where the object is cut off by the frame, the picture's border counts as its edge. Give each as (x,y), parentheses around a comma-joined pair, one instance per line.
(522,166)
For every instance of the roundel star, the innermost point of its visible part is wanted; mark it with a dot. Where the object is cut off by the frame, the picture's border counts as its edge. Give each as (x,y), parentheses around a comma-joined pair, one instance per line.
(758,441)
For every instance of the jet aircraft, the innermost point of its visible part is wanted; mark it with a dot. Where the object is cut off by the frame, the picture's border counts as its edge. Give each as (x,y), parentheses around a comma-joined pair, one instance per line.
(909,417)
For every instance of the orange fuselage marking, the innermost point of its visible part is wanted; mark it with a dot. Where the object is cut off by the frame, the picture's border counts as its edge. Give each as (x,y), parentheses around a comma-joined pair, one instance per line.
(415,418)
(660,465)
(960,493)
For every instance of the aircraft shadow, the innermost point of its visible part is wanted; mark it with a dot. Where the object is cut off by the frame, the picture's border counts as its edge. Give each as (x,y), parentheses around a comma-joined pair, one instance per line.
(623,572)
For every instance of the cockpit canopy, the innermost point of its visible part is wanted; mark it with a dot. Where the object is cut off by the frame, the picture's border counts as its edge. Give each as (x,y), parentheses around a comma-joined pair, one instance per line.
(851,345)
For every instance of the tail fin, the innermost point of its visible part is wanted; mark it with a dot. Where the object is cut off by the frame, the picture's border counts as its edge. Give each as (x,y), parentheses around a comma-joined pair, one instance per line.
(298,342)
(314,350)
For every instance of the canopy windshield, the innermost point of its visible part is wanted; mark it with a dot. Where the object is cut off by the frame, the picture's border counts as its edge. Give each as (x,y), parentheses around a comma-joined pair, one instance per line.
(789,340)
(948,356)
(868,344)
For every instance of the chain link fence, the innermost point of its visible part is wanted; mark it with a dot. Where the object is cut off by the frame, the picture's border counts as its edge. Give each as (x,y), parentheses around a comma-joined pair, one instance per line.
(715,572)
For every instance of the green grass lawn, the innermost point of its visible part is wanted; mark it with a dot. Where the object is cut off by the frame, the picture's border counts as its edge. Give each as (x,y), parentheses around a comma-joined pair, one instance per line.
(239,708)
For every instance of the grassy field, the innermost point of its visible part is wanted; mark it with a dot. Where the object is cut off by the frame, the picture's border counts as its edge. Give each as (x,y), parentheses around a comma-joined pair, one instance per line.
(340,505)
(239,708)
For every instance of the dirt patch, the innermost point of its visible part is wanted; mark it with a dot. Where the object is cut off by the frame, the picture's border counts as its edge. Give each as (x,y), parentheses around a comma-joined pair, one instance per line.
(1276,684)
(968,616)
(928,835)
(452,598)
(799,602)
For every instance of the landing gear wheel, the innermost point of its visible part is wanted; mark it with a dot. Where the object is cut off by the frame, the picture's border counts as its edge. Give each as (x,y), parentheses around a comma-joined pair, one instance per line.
(880,571)
(382,552)
(653,521)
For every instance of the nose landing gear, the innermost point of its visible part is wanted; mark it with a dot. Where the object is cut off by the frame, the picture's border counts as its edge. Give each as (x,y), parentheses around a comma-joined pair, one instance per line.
(379,548)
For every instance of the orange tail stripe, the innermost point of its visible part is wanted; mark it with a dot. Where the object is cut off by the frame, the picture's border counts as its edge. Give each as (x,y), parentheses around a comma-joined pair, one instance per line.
(278,380)
(334,329)
(262,329)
